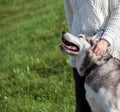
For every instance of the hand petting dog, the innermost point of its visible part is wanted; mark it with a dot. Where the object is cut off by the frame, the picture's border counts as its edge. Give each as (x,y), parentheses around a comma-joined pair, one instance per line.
(100,48)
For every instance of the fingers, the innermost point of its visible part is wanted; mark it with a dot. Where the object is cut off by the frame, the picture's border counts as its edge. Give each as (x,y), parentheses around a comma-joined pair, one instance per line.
(100,48)
(98,51)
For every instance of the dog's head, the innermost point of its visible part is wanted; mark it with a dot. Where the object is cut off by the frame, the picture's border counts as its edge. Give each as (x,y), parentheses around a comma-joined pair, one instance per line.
(79,48)
(74,45)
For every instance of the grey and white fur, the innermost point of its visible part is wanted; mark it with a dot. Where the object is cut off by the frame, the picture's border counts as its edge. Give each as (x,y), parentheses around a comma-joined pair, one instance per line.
(102,83)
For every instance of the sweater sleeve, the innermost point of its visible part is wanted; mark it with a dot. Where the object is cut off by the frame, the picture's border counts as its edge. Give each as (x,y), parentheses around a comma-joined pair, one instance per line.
(113,27)
(69,13)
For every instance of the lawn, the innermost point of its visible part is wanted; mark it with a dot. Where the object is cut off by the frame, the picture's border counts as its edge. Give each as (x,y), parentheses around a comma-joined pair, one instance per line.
(35,76)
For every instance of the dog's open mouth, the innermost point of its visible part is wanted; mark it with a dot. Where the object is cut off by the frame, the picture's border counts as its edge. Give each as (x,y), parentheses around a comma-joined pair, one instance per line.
(67,45)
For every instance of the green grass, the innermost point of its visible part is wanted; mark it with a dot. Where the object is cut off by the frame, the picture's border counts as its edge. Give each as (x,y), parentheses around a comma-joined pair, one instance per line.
(35,75)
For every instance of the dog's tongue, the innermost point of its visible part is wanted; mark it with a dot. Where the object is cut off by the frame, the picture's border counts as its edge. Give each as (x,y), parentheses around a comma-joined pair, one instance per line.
(72,48)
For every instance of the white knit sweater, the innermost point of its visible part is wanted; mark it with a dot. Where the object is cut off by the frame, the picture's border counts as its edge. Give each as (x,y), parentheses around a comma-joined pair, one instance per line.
(90,16)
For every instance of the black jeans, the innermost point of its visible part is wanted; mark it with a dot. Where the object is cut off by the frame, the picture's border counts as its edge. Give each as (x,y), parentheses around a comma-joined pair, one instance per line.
(81,103)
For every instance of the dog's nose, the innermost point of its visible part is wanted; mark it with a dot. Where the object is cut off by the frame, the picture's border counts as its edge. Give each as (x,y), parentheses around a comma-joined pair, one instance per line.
(63,32)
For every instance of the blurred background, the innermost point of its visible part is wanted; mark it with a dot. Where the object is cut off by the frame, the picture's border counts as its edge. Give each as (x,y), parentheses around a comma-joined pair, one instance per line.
(35,76)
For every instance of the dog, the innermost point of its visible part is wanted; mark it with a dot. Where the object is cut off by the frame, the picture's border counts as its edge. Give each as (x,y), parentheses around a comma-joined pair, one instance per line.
(102,82)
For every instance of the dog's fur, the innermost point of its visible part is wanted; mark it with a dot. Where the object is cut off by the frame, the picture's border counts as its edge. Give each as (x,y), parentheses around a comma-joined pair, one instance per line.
(102,83)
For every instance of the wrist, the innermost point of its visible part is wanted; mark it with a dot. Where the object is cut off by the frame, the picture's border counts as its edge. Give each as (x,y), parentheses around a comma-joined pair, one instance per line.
(104,41)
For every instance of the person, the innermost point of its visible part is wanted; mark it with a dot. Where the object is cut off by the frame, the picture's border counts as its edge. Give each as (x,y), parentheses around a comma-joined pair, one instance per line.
(89,17)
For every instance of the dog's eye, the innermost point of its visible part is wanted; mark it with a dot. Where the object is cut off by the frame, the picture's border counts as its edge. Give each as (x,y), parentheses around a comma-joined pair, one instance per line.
(81,36)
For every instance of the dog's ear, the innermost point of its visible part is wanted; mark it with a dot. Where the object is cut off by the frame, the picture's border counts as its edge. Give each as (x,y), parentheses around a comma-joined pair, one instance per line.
(91,40)
(98,34)
(81,36)
(95,38)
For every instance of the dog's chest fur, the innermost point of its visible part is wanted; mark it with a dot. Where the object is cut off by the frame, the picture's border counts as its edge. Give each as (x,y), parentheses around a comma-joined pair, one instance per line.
(103,86)
(106,75)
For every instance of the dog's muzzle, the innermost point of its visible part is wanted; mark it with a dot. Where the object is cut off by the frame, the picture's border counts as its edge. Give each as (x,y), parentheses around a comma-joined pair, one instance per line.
(67,44)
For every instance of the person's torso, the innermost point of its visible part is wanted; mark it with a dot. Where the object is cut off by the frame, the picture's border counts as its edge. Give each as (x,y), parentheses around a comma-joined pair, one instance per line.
(89,16)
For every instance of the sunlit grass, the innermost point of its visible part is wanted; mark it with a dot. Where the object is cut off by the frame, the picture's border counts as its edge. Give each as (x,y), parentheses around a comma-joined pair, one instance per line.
(35,75)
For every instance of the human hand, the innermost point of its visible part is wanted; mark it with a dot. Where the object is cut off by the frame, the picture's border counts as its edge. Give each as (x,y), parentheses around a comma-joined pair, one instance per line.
(100,48)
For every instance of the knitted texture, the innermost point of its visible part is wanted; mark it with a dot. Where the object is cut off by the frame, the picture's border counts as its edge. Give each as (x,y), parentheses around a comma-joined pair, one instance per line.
(90,16)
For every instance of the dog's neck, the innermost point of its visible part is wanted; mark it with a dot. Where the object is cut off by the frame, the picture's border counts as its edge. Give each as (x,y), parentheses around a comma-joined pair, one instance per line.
(91,61)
